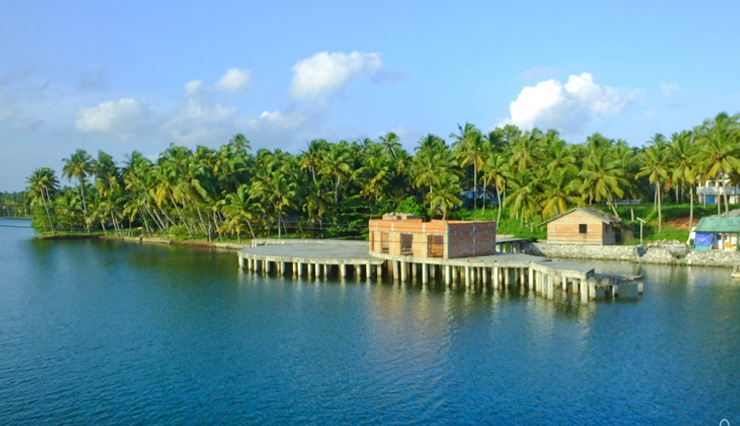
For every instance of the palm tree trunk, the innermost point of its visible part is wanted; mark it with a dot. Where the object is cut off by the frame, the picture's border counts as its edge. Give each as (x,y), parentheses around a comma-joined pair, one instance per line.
(202,222)
(718,200)
(174,203)
(46,207)
(727,203)
(475,188)
(613,206)
(84,204)
(691,208)
(500,203)
(251,231)
(484,197)
(660,215)
(157,220)
(280,218)
(336,191)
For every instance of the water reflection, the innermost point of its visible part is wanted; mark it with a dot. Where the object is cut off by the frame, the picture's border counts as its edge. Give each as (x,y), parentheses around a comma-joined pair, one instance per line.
(134,332)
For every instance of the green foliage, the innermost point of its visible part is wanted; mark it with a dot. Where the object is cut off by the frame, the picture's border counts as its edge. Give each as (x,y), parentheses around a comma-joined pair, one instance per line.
(410,205)
(178,232)
(332,188)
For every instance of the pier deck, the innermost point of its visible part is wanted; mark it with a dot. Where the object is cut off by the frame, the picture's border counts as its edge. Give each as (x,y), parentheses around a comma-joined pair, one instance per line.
(316,258)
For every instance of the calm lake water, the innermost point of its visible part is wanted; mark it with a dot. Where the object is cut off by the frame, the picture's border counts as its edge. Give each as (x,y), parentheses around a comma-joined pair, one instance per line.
(100,332)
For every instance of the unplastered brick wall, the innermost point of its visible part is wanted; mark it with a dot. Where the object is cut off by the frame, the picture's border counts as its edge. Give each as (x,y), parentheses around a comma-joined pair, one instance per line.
(467,239)
(461,239)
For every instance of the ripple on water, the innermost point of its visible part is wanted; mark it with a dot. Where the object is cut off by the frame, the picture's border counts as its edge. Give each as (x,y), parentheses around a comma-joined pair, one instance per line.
(168,335)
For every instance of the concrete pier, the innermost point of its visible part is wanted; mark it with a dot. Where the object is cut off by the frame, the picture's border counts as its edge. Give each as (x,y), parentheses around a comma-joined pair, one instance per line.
(509,271)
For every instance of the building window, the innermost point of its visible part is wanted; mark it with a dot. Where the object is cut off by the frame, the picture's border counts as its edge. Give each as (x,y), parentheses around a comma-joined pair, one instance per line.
(407,241)
(583,228)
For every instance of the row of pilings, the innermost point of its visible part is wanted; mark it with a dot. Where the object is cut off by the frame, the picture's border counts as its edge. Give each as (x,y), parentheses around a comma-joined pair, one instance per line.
(540,277)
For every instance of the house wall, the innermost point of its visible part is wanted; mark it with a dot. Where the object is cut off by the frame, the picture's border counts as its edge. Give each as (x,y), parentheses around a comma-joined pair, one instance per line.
(460,239)
(565,230)
(467,239)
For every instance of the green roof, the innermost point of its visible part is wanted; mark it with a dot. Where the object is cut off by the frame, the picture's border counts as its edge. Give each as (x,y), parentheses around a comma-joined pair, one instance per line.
(719,224)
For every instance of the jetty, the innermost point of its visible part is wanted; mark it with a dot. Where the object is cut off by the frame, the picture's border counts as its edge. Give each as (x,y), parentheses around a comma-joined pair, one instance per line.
(502,271)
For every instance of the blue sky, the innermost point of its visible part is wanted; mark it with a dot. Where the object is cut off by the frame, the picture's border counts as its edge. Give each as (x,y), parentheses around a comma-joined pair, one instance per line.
(125,76)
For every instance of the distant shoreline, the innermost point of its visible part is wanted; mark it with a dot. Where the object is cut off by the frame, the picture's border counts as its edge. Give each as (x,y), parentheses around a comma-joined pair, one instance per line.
(148,240)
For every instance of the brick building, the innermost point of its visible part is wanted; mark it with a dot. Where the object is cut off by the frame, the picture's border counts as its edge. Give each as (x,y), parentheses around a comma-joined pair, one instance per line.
(399,234)
(583,226)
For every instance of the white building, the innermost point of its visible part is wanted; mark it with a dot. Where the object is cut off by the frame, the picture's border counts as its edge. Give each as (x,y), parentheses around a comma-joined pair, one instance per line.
(713,188)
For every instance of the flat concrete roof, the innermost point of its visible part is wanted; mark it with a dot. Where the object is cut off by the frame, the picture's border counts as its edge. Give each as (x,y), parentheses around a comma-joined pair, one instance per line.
(307,252)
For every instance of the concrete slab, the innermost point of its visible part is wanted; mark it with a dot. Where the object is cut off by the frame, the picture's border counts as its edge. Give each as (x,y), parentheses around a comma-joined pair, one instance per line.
(332,254)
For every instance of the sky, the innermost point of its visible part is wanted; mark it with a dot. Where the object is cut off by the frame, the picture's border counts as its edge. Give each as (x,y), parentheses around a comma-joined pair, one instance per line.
(130,76)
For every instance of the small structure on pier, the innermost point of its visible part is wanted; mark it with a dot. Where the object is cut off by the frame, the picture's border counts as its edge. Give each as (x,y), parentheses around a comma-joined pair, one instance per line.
(400,234)
(583,225)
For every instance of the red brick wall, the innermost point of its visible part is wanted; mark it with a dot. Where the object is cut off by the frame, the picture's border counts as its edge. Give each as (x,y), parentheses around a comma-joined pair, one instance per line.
(459,238)
(467,239)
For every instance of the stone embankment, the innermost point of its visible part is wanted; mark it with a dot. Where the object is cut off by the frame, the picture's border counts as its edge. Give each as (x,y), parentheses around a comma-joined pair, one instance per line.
(193,243)
(665,255)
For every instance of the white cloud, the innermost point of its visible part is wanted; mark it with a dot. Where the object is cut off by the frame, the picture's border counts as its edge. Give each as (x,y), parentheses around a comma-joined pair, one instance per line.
(122,119)
(192,87)
(276,119)
(668,89)
(566,107)
(326,72)
(235,80)
(196,121)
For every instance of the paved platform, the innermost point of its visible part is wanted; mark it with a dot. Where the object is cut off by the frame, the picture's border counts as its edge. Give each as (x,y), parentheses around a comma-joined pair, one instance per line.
(311,252)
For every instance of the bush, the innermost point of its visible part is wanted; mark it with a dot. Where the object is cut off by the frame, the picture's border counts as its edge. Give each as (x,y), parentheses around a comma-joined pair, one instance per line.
(409,205)
(178,232)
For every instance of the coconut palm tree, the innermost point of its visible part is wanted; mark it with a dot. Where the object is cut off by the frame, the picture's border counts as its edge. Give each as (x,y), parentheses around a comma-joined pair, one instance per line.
(527,150)
(470,150)
(311,159)
(522,199)
(494,171)
(79,166)
(336,164)
(239,209)
(683,151)
(603,178)
(655,167)
(560,191)
(445,196)
(719,140)
(432,162)
(43,186)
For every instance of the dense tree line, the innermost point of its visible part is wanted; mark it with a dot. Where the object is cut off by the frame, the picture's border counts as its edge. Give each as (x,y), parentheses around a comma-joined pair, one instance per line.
(331,189)
(13,204)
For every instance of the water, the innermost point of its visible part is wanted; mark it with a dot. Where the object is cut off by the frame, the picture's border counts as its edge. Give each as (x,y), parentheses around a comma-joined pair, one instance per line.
(100,332)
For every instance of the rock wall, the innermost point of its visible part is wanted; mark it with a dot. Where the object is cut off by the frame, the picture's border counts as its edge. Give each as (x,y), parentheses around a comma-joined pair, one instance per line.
(580,251)
(713,258)
(653,255)
(660,256)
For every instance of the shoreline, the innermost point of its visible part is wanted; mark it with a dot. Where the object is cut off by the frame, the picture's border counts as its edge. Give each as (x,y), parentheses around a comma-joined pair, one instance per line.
(632,254)
(150,240)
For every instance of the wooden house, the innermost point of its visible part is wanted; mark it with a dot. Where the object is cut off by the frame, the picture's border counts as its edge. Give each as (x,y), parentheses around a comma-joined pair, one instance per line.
(583,225)
(399,234)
